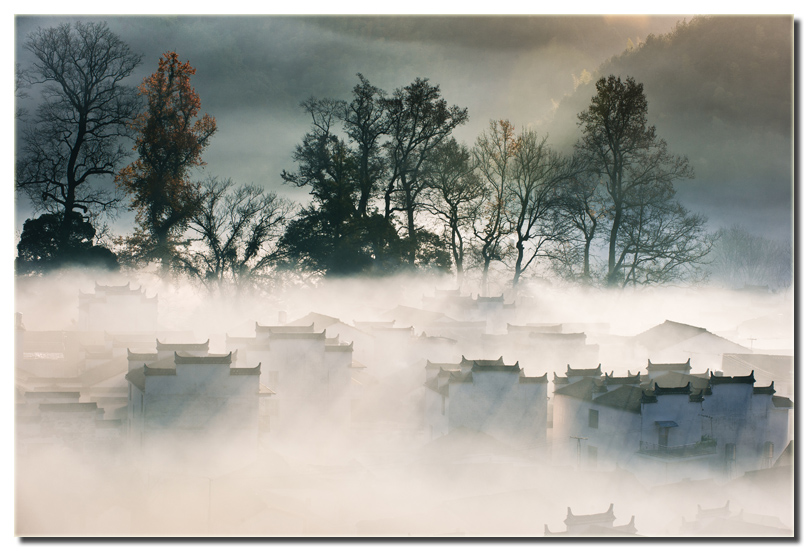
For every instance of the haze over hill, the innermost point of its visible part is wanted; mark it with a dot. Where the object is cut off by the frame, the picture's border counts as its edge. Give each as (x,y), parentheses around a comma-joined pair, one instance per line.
(719,91)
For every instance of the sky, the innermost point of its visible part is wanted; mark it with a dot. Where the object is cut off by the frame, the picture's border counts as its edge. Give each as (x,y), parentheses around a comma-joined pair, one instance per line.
(253,72)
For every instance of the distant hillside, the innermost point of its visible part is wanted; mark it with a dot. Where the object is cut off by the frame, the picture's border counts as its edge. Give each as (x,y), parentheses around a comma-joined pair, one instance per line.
(720,91)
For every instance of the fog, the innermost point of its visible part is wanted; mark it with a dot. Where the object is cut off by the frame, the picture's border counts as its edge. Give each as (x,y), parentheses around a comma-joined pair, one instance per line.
(362,457)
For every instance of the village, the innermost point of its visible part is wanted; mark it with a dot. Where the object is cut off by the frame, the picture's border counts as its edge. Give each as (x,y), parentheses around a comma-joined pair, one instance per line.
(311,424)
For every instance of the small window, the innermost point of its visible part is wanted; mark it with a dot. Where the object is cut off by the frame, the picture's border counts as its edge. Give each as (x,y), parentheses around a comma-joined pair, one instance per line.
(594,418)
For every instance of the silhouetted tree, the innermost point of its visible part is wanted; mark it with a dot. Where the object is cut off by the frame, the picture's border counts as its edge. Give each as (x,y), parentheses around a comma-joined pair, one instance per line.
(660,241)
(534,189)
(582,208)
(419,121)
(494,150)
(454,192)
(77,132)
(365,122)
(626,152)
(170,141)
(234,234)
(43,246)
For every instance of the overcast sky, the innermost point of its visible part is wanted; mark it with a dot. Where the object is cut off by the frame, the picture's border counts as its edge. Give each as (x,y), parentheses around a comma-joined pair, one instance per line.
(253,71)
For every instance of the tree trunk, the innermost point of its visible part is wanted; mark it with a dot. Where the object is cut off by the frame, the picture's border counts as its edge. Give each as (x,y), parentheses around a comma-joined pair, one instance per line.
(612,269)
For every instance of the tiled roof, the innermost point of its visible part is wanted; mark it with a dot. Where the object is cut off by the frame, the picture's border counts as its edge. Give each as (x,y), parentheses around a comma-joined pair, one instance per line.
(666,335)
(321,320)
(478,366)
(750,380)
(140,356)
(162,364)
(769,390)
(460,377)
(246,371)
(586,372)
(625,398)
(782,402)
(439,385)
(582,389)
(559,380)
(587,519)
(678,379)
(482,299)
(208,359)
(668,367)
(609,379)
(685,390)
(182,346)
(482,362)
(532,379)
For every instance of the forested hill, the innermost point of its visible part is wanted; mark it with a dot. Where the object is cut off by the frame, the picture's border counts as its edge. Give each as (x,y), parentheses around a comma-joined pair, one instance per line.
(720,91)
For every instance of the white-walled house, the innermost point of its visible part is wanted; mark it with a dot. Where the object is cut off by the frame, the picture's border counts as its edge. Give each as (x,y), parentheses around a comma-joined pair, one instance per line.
(488,396)
(668,424)
(186,404)
(310,374)
(725,429)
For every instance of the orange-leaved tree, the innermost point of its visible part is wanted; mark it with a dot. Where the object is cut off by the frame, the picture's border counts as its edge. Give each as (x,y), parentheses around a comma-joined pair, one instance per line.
(170,141)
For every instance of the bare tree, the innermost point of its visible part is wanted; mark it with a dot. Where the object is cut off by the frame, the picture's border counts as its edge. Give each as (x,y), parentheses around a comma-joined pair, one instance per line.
(77,132)
(419,120)
(582,207)
(534,189)
(627,153)
(660,241)
(235,234)
(740,258)
(493,152)
(365,121)
(454,194)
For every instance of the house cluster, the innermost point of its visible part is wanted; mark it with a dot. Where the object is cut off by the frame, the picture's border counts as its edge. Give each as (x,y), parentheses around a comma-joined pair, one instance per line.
(159,392)
(668,423)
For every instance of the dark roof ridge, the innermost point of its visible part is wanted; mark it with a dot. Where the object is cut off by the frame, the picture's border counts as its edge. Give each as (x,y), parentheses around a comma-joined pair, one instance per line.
(684,390)
(589,518)
(733,379)
(487,367)
(188,346)
(211,358)
(667,365)
(532,379)
(768,390)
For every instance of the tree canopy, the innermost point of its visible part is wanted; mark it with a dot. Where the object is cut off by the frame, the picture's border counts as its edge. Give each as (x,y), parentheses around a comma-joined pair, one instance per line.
(170,141)
(78,132)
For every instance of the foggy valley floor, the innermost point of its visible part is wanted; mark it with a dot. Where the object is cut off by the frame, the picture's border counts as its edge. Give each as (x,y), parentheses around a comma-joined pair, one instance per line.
(379,466)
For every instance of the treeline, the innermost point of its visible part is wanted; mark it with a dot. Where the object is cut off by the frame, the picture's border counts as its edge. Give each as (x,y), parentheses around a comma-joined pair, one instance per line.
(391,189)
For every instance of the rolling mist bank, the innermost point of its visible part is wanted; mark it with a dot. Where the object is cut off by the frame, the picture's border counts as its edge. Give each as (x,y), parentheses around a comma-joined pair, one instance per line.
(381,407)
